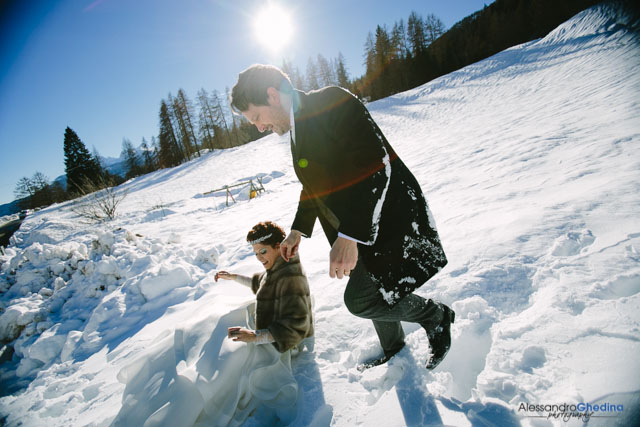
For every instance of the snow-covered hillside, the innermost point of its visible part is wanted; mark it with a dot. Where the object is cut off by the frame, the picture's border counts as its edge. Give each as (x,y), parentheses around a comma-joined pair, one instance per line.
(531,163)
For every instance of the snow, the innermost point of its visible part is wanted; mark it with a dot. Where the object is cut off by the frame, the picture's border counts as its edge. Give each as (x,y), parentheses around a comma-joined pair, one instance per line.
(530,161)
(377,210)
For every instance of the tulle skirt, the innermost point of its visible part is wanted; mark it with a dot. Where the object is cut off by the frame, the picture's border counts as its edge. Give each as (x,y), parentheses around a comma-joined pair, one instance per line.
(210,381)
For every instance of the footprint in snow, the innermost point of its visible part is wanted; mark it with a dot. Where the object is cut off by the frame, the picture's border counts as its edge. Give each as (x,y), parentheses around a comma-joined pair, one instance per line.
(618,287)
(572,243)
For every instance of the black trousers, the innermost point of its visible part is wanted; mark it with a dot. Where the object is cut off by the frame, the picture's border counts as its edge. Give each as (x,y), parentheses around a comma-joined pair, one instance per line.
(363,299)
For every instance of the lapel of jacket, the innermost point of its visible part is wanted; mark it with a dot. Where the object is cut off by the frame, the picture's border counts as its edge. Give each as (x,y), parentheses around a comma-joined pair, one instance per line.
(298,107)
(294,151)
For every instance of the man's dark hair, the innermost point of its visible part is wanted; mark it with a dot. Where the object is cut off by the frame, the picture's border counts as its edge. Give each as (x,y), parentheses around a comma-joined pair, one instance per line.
(253,83)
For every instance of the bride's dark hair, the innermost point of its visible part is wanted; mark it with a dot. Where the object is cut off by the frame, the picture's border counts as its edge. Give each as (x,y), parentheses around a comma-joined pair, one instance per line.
(267,233)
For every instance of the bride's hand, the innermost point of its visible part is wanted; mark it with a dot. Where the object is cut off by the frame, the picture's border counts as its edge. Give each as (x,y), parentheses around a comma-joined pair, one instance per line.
(225,275)
(238,333)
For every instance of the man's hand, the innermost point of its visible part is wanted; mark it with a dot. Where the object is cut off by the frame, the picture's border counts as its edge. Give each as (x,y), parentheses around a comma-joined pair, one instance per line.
(343,257)
(237,333)
(289,247)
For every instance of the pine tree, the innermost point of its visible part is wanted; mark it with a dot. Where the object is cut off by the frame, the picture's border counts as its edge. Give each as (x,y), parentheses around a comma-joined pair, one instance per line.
(156,152)
(222,135)
(434,28)
(80,166)
(180,126)
(105,177)
(131,160)
(170,153)
(370,66)
(325,73)
(178,129)
(186,110)
(401,57)
(381,85)
(237,132)
(312,75)
(290,70)
(98,159)
(206,123)
(341,72)
(416,35)
(299,82)
(399,41)
(147,154)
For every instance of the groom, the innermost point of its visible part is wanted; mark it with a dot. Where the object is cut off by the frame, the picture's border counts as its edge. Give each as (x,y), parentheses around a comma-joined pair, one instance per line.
(370,206)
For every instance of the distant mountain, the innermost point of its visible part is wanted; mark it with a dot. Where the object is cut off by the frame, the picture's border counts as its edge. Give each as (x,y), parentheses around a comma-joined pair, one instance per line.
(114,165)
(9,208)
(117,165)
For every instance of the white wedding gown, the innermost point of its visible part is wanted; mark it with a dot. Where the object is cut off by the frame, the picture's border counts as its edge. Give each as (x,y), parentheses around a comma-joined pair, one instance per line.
(205,379)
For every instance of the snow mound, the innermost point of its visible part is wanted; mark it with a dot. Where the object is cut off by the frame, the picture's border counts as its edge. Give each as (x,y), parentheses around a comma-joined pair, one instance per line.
(603,19)
(75,297)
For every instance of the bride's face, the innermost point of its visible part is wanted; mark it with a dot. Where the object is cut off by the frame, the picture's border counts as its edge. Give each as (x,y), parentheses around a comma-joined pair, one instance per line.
(266,254)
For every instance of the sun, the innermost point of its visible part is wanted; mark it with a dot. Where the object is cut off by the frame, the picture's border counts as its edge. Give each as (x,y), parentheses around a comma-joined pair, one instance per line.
(273,27)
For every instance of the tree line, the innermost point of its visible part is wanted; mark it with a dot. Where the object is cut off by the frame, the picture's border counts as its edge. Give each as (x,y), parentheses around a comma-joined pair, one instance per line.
(186,128)
(407,56)
(320,72)
(396,59)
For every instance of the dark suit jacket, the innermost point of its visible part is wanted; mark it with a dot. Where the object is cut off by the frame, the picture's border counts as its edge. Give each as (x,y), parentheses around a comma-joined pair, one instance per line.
(354,183)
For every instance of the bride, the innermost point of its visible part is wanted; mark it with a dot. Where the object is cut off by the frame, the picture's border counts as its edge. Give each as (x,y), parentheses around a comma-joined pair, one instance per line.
(230,379)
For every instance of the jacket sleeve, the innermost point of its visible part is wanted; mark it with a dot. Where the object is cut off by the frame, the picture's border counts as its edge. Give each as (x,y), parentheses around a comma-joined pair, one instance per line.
(255,281)
(305,215)
(293,321)
(361,171)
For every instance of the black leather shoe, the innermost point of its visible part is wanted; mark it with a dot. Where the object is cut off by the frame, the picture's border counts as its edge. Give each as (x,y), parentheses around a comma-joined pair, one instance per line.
(376,362)
(440,339)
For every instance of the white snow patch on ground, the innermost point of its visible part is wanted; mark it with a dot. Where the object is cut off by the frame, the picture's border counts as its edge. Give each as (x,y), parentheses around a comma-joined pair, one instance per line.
(531,164)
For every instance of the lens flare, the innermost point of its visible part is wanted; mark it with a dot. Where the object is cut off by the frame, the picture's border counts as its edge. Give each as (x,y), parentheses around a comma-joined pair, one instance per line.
(273,27)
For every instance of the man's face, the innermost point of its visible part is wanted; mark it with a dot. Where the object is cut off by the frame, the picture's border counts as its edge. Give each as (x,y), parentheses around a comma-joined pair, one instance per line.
(269,117)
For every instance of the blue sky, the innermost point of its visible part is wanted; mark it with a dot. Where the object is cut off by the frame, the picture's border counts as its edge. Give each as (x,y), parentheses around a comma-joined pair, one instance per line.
(101,67)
